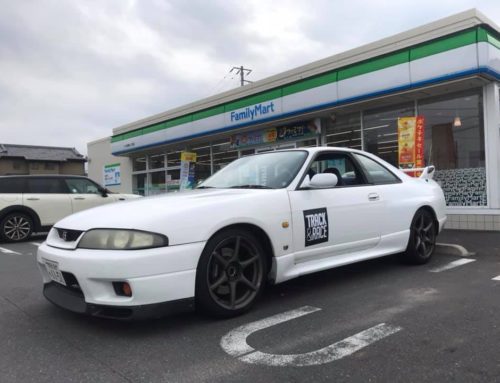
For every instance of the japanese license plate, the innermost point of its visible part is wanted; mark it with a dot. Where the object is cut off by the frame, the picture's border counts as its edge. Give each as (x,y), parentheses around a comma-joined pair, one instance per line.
(54,272)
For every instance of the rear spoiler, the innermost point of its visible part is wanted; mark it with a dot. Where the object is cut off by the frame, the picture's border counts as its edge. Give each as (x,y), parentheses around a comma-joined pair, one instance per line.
(427,172)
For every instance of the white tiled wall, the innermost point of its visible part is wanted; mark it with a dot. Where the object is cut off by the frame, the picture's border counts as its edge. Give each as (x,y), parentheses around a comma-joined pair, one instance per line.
(473,222)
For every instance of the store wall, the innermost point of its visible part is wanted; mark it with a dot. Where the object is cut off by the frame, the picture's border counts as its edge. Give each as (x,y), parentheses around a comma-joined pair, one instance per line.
(99,153)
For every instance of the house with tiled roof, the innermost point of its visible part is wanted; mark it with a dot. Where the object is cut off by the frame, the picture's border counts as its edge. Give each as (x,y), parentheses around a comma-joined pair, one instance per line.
(31,159)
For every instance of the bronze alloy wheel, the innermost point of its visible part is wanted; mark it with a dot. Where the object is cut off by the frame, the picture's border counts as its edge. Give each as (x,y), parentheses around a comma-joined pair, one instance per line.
(231,273)
(422,242)
(424,234)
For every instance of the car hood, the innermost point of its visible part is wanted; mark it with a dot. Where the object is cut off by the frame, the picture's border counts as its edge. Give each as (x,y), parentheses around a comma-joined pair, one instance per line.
(149,212)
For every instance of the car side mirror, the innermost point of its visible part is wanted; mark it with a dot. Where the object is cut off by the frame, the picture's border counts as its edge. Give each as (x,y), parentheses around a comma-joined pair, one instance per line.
(104,192)
(323,181)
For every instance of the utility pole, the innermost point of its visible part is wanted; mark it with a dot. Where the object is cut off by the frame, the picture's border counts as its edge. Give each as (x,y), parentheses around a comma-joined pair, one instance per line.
(242,72)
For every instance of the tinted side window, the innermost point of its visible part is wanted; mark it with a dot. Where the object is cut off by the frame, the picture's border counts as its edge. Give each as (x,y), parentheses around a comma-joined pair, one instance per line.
(45,185)
(376,173)
(12,185)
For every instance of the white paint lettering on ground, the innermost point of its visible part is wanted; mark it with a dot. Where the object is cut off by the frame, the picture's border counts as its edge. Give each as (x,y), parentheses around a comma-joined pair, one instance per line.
(327,354)
(453,249)
(234,342)
(496,278)
(452,265)
(8,251)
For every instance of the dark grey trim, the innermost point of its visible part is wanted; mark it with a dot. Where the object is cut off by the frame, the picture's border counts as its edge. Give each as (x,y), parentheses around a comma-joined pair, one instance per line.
(74,301)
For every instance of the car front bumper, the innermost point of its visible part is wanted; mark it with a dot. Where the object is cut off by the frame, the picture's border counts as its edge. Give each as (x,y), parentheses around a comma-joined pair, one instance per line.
(74,301)
(156,276)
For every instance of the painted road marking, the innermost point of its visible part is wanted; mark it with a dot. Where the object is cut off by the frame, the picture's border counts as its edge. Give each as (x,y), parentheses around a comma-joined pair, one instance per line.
(8,251)
(451,265)
(453,249)
(496,278)
(235,344)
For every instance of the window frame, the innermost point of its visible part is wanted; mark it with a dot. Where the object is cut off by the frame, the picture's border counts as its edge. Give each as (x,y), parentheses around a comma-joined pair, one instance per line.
(347,154)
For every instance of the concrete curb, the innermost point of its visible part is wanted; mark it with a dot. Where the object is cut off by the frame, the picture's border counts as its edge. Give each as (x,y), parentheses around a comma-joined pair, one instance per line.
(453,249)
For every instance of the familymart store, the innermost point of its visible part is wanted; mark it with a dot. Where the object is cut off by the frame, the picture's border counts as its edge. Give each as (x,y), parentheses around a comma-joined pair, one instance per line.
(443,77)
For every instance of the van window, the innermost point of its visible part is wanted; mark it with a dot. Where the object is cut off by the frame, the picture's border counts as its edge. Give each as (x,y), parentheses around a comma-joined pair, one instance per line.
(12,185)
(46,186)
(81,186)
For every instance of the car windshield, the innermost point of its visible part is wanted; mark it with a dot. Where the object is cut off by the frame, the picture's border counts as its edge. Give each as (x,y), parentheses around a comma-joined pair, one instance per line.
(263,171)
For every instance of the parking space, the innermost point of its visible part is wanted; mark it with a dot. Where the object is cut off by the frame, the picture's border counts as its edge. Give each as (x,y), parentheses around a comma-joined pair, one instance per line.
(373,321)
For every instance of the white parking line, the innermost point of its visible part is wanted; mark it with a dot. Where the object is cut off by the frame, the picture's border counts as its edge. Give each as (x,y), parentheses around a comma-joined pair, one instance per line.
(8,251)
(496,278)
(451,265)
(234,342)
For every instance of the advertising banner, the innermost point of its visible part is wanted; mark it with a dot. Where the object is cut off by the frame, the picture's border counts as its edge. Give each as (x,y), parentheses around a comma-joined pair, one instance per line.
(187,176)
(411,143)
(275,135)
(112,176)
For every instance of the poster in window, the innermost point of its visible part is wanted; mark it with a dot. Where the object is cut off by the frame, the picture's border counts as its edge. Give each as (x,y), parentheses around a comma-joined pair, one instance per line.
(411,143)
(112,175)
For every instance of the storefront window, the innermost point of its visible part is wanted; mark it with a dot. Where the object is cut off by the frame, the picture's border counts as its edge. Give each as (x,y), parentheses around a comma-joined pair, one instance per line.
(157,161)
(157,183)
(173,180)
(223,154)
(454,143)
(202,167)
(380,130)
(139,164)
(343,130)
(174,158)
(139,184)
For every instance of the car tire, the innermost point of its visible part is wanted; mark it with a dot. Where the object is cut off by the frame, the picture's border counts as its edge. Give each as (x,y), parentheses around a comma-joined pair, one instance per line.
(231,274)
(16,227)
(422,241)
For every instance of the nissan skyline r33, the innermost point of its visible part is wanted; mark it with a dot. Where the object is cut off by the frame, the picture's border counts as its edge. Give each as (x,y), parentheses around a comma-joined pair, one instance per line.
(263,218)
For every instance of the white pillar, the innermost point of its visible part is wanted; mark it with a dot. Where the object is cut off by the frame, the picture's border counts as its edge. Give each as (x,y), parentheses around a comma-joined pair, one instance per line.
(492,143)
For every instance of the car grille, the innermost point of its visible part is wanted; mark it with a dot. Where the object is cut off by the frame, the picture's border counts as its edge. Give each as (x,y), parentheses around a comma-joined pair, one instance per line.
(69,235)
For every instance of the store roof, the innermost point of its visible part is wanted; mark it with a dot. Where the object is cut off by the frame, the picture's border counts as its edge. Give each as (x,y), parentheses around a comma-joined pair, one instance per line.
(40,153)
(430,31)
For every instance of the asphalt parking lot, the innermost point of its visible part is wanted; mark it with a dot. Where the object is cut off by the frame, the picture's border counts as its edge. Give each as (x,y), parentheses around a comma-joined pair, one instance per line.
(376,321)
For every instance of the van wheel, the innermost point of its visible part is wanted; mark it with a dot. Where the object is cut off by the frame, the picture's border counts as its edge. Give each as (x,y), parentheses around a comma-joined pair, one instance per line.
(422,242)
(231,274)
(16,227)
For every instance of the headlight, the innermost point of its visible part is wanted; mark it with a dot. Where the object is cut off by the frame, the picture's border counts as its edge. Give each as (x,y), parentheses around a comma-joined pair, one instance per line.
(120,239)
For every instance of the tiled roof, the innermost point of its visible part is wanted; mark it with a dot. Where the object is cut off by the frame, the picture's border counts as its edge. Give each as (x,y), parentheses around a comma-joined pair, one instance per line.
(40,153)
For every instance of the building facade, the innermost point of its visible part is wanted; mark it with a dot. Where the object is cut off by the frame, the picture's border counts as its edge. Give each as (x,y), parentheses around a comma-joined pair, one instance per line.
(30,159)
(446,73)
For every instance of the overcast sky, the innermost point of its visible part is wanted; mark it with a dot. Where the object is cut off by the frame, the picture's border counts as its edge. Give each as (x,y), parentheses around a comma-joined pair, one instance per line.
(71,71)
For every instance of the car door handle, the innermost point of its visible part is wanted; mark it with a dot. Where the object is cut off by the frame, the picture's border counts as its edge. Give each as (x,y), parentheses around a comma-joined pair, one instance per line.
(79,198)
(33,199)
(373,197)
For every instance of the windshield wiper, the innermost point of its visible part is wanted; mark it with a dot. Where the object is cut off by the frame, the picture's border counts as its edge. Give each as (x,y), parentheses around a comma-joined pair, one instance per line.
(250,187)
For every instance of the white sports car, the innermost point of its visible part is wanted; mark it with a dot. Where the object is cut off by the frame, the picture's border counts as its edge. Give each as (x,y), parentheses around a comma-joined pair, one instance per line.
(267,217)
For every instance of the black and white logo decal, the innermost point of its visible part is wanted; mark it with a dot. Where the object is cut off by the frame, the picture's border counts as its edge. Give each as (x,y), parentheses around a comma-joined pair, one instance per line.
(316,226)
